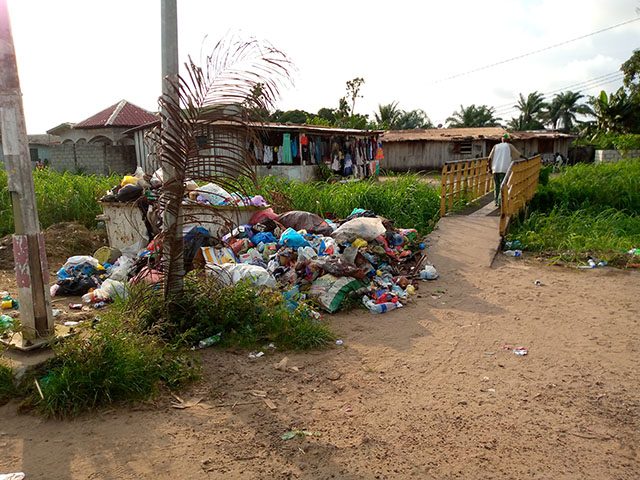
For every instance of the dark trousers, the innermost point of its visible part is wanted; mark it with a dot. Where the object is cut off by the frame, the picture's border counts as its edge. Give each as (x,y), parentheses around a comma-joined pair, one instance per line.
(497,180)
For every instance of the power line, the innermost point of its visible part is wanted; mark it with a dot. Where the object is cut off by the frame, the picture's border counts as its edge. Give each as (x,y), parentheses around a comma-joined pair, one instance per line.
(569,87)
(536,51)
(547,95)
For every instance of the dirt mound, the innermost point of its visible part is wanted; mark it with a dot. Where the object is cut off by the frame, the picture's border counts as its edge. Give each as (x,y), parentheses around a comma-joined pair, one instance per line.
(62,240)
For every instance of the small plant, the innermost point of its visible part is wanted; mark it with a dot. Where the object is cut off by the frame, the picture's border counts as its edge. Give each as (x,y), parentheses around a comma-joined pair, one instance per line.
(8,386)
(245,316)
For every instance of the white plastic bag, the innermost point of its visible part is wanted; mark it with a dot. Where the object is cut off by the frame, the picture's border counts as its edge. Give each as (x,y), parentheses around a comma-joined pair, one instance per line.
(305,254)
(107,291)
(231,273)
(213,193)
(76,260)
(119,272)
(156,179)
(364,227)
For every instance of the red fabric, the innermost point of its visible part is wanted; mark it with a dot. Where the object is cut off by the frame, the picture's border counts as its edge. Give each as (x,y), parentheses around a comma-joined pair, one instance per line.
(262,214)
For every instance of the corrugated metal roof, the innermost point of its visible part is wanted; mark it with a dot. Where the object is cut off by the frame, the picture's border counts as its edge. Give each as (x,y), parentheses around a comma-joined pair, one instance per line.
(121,114)
(444,134)
(43,139)
(459,134)
(307,129)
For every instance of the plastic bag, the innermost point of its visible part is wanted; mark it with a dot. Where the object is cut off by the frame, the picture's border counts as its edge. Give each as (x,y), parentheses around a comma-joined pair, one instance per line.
(213,193)
(156,179)
(119,272)
(305,254)
(364,228)
(107,291)
(329,291)
(76,260)
(263,214)
(231,273)
(293,239)
(299,220)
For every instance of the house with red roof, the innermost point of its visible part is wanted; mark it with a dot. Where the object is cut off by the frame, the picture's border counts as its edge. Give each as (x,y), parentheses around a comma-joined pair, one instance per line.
(98,145)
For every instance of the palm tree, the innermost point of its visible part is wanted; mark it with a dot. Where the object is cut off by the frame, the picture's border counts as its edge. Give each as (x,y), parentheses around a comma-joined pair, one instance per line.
(472,116)
(216,102)
(614,112)
(387,115)
(531,112)
(561,112)
(411,120)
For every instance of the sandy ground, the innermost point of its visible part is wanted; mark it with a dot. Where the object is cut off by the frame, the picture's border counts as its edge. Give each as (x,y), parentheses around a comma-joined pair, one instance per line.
(423,392)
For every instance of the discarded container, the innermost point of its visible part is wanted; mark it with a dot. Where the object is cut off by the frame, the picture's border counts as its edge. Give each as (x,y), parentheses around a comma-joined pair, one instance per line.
(383,307)
(514,244)
(520,351)
(513,253)
(603,264)
(538,283)
(207,342)
(98,305)
(339,342)
(6,323)
(429,273)
(75,306)
(7,304)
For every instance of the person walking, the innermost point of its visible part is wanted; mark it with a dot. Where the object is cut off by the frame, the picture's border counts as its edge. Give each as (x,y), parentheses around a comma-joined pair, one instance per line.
(500,159)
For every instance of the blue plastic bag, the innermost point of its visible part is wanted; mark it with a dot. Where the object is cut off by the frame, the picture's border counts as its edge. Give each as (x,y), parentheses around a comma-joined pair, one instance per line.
(265,237)
(293,239)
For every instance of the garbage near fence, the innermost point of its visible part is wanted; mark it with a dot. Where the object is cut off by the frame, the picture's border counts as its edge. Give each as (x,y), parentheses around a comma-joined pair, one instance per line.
(307,257)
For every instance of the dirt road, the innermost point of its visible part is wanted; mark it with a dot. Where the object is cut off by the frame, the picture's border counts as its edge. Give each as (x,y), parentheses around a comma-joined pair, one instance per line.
(423,392)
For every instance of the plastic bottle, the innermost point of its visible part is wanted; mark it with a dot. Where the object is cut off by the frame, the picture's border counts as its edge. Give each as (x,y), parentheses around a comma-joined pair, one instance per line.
(603,263)
(207,342)
(592,263)
(513,253)
(429,273)
(382,307)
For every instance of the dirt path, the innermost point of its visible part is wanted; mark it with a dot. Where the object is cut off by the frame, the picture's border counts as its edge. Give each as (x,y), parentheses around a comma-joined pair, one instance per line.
(423,392)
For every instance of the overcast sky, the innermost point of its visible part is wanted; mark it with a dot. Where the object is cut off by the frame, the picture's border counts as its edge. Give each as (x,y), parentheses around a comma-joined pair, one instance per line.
(77,57)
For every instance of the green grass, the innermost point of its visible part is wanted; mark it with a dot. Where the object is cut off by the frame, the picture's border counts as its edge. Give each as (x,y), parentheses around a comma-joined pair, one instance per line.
(407,200)
(586,208)
(8,387)
(105,365)
(61,197)
(246,317)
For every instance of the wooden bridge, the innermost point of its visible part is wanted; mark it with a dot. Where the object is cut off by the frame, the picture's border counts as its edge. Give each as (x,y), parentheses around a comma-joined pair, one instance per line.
(471,226)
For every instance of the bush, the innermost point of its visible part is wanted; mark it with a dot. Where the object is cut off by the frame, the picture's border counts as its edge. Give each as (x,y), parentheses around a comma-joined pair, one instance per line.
(108,364)
(245,316)
(61,197)
(613,141)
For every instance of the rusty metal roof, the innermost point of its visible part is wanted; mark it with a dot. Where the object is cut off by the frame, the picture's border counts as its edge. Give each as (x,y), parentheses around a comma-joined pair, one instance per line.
(444,134)
(460,134)
(121,114)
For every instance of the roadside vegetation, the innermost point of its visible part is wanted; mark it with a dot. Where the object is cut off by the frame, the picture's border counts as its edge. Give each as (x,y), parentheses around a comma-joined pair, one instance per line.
(407,200)
(586,209)
(61,197)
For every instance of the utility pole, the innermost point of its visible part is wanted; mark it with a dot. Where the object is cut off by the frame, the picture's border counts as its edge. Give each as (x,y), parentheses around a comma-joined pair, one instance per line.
(173,184)
(28,243)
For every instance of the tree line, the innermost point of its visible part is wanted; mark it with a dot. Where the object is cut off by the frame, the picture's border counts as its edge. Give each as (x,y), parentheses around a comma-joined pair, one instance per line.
(568,111)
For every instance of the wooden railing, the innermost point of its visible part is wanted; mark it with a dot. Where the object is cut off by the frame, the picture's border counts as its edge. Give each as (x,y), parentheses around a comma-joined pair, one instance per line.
(518,187)
(464,180)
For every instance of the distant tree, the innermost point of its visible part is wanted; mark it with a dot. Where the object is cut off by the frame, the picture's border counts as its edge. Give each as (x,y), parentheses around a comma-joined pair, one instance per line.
(532,109)
(353,93)
(562,111)
(413,119)
(472,116)
(328,114)
(292,116)
(614,112)
(631,79)
(388,115)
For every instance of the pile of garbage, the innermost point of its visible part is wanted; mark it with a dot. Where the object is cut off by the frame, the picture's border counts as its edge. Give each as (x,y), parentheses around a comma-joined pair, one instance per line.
(301,253)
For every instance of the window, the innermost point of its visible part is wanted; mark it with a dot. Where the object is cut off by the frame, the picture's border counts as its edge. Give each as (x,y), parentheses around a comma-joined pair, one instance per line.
(465,148)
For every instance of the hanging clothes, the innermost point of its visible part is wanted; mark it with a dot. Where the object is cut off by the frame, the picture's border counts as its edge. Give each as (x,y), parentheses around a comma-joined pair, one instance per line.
(268,154)
(286,150)
(348,166)
(294,147)
(304,147)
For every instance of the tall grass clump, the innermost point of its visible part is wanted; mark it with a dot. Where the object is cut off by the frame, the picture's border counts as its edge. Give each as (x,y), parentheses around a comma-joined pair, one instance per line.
(108,364)
(586,208)
(244,316)
(407,200)
(61,197)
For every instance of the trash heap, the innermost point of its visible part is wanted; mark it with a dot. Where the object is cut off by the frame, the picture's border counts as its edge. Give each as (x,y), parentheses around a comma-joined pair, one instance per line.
(301,253)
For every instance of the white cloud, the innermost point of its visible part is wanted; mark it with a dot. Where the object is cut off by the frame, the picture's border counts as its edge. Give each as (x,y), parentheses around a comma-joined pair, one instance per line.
(77,57)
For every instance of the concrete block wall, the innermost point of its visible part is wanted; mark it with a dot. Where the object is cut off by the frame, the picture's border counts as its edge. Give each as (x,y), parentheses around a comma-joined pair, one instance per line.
(609,156)
(94,158)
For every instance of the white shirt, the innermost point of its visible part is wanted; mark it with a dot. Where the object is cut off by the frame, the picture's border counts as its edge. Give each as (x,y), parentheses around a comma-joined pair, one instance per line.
(502,155)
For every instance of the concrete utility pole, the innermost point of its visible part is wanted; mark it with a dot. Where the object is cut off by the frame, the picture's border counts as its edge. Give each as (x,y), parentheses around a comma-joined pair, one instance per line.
(28,243)
(172,222)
